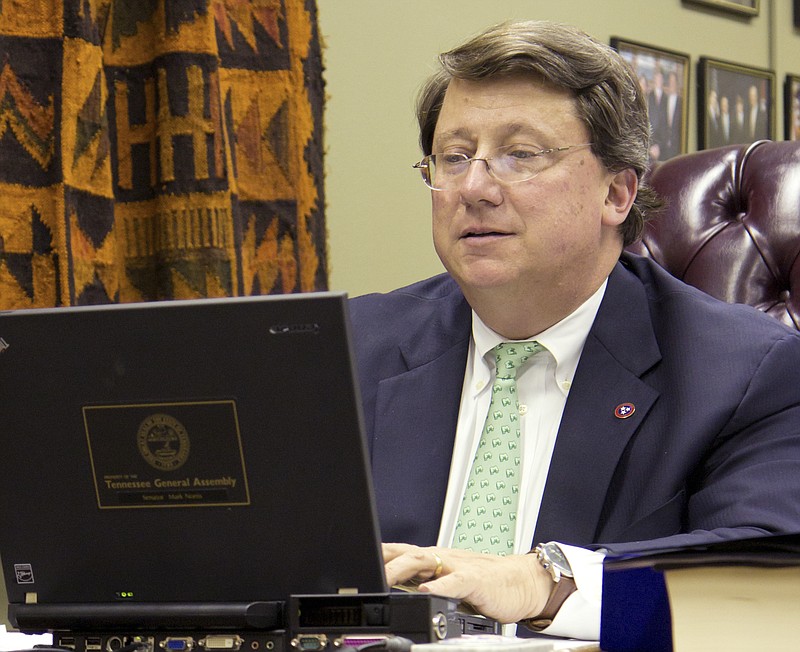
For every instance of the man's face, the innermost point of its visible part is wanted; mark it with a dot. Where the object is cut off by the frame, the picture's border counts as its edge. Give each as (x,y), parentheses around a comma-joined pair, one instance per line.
(547,230)
(672,87)
(713,103)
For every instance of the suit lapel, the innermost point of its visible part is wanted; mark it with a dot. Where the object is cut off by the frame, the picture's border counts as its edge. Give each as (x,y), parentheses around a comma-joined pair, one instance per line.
(416,415)
(593,435)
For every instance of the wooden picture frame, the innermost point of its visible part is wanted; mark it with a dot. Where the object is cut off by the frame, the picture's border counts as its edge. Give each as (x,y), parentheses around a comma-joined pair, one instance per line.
(664,78)
(791,107)
(736,103)
(743,7)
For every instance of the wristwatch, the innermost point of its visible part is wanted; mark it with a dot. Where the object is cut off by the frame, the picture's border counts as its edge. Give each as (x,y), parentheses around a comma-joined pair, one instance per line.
(552,559)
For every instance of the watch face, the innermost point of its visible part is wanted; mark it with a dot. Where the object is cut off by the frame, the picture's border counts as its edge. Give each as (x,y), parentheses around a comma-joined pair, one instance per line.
(553,554)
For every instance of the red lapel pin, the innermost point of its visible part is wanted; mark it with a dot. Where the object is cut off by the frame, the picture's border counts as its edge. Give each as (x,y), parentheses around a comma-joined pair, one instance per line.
(624,410)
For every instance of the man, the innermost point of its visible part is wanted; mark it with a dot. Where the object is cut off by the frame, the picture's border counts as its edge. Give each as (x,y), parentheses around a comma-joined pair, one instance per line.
(673,132)
(740,134)
(757,123)
(725,120)
(647,413)
(796,117)
(657,110)
(713,121)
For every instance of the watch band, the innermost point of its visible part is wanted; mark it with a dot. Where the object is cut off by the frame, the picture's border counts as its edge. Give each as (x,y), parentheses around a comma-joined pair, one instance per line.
(562,589)
(552,559)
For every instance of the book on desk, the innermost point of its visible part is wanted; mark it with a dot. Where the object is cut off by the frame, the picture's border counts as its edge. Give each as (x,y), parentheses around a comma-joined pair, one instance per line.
(731,595)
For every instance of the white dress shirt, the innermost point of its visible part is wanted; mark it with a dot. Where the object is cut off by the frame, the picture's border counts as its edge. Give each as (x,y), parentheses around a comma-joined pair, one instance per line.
(542,386)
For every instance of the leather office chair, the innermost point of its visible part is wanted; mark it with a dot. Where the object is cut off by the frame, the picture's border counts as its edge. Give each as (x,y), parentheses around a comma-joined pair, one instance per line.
(731,225)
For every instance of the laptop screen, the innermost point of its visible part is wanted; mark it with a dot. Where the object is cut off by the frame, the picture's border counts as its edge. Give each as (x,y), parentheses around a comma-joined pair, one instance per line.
(188,451)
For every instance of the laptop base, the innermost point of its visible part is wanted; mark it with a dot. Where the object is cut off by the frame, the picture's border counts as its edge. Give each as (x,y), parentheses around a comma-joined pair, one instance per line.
(37,618)
(308,623)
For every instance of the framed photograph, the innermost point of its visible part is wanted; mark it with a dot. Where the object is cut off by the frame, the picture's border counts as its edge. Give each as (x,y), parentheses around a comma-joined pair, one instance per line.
(736,104)
(664,78)
(746,7)
(791,107)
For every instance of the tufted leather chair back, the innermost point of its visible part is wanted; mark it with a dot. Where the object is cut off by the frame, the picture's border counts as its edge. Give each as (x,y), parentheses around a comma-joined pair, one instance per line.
(731,225)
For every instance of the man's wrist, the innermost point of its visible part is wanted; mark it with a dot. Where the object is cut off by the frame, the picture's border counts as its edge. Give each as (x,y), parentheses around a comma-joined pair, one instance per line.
(555,566)
(543,583)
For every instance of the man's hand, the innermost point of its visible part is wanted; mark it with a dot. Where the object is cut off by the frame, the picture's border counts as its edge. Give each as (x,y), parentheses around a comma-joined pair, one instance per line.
(507,589)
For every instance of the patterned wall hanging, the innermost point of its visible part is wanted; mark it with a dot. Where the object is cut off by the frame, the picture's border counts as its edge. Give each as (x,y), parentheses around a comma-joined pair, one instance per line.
(159,149)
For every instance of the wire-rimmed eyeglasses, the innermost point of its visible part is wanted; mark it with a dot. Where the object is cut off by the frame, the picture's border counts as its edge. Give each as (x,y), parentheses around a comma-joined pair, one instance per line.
(508,164)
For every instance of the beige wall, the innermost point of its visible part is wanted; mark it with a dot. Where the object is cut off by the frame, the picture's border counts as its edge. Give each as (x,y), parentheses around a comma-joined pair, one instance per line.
(377,52)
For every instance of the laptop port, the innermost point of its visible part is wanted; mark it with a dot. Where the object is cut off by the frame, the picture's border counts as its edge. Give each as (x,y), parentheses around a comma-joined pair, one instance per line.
(140,643)
(310,642)
(177,643)
(66,641)
(93,643)
(357,640)
(439,623)
(113,643)
(221,642)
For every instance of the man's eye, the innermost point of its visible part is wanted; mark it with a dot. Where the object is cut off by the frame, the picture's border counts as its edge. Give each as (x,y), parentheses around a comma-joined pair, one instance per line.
(452,159)
(523,153)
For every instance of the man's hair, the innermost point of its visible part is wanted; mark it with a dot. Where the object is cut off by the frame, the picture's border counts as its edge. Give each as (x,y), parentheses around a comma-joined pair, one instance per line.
(607,94)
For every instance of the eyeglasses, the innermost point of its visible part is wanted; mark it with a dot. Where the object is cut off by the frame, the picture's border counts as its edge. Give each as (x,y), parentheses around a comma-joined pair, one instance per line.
(509,164)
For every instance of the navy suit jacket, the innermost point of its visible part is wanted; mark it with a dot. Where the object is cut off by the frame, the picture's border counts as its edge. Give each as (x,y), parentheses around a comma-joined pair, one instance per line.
(711,451)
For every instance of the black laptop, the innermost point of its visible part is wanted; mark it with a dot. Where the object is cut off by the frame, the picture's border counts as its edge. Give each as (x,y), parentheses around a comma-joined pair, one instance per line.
(184,463)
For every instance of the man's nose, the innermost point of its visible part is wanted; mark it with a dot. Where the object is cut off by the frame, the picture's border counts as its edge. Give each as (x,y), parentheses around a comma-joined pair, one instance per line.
(479,183)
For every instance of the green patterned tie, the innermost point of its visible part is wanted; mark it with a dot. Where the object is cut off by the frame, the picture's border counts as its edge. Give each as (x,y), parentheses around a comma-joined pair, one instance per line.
(488,513)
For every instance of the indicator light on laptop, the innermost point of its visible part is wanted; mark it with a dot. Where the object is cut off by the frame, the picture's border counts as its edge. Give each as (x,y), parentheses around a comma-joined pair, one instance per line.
(124,595)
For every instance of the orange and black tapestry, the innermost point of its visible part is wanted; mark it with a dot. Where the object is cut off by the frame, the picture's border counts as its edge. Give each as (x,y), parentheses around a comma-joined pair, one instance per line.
(159,149)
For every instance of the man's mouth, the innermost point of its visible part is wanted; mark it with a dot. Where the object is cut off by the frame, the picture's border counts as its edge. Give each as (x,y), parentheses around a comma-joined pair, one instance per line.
(483,234)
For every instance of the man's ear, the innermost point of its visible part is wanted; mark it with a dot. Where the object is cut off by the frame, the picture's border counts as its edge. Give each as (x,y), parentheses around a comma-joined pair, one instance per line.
(622,189)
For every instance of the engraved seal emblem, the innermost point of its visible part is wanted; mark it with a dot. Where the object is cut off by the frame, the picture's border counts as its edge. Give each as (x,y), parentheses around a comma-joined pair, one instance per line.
(163,442)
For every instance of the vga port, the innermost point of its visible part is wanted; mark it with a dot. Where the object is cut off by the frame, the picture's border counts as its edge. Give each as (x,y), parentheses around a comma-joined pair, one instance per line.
(177,643)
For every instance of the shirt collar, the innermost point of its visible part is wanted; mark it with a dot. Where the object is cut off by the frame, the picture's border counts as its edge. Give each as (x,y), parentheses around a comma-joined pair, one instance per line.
(564,340)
